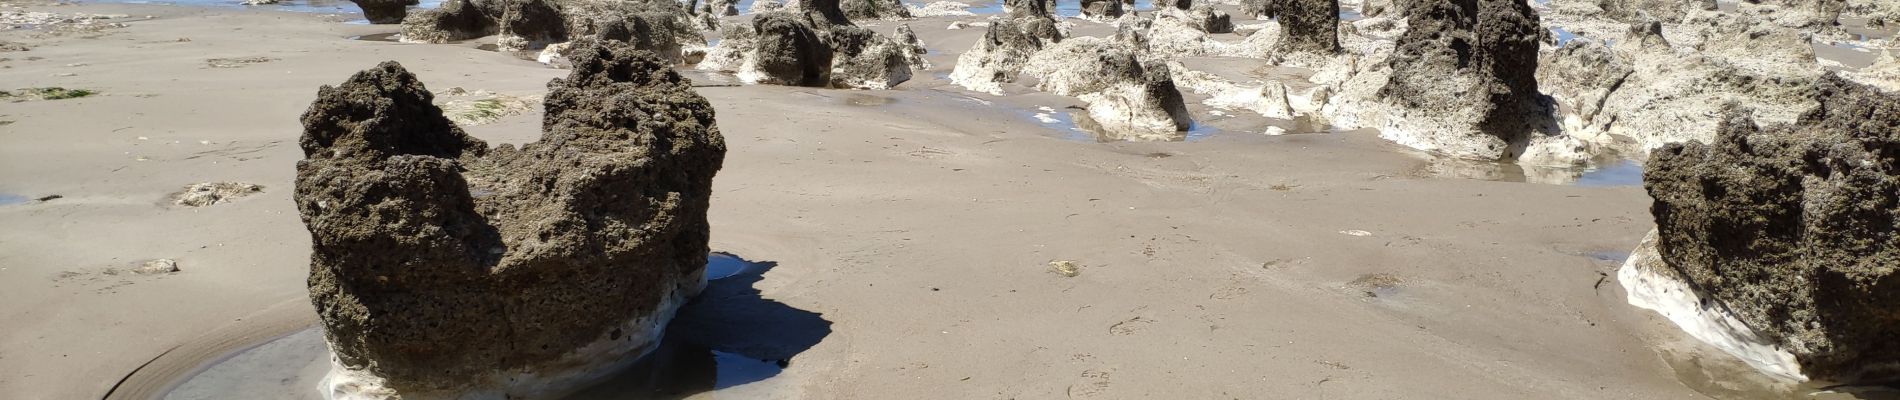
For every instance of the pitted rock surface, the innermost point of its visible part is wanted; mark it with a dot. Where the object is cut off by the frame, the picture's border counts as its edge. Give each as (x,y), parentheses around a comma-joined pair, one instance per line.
(1465,74)
(454,20)
(1792,227)
(444,267)
(383,11)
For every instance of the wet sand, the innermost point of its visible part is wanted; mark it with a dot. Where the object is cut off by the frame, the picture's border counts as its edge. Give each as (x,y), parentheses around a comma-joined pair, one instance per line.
(918,222)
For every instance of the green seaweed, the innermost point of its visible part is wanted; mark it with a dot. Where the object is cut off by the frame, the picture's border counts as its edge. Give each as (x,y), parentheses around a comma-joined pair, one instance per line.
(47,93)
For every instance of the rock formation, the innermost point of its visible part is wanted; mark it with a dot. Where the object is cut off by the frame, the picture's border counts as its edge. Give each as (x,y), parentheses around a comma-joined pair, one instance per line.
(1101,9)
(914,50)
(442,268)
(1463,79)
(1791,228)
(816,45)
(1643,93)
(996,58)
(1127,97)
(1207,19)
(1035,17)
(661,26)
(530,25)
(875,9)
(383,11)
(1310,25)
(722,8)
(455,20)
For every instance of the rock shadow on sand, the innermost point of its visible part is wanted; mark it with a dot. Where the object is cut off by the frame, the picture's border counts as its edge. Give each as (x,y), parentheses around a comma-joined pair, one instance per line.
(728,336)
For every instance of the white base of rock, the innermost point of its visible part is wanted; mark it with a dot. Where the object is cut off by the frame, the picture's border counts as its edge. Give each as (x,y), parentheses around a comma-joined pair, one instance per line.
(1652,286)
(589,365)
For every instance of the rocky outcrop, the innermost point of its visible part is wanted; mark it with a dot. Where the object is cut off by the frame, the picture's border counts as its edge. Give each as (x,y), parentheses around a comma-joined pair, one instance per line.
(1309,25)
(1127,97)
(1101,10)
(455,20)
(813,46)
(530,25)
(721,8)
(788,52)
(441,268)
(1884,73)
(1463,79)
(875,9)
(913,47)
(383,11)
(1036,18)
(1645,92)
(996,58)
(661,26)
(1207,19)
(1791,228)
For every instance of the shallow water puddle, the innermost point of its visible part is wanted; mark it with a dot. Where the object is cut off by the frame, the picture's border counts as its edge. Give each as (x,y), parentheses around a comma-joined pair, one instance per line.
(1618,173)
(1622,173)
(728,339)
(1563,36)
(1350,15)
(7,199)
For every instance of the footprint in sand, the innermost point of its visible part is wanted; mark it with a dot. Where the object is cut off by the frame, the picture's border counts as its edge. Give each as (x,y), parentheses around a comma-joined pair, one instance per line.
(1129,326)
(1094,383)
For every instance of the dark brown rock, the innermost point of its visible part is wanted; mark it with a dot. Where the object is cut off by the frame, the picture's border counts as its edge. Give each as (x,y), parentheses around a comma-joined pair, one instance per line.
(454,20)
(530,25)
(1476,55)
(1210,20)
(790,51)
(1035,18)
(874,9)
(1311,25)
(383,11)
(444,268)
(1792,227)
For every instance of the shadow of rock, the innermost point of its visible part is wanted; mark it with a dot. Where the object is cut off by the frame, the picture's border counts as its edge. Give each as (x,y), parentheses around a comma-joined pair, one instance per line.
(728,336)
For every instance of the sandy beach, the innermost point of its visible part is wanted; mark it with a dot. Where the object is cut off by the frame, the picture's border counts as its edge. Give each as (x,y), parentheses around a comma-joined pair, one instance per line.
(919,222)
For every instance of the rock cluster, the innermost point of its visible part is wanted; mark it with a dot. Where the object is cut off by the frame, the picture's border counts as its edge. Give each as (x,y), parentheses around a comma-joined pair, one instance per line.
(875,9)
(1791,227)
(1642,93)
(1006,45)
(663,27)
(997,58)
(442,268)
(816,45)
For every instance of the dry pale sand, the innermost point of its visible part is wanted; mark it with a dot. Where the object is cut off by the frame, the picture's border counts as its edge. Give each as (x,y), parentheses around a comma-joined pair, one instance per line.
(920,222)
